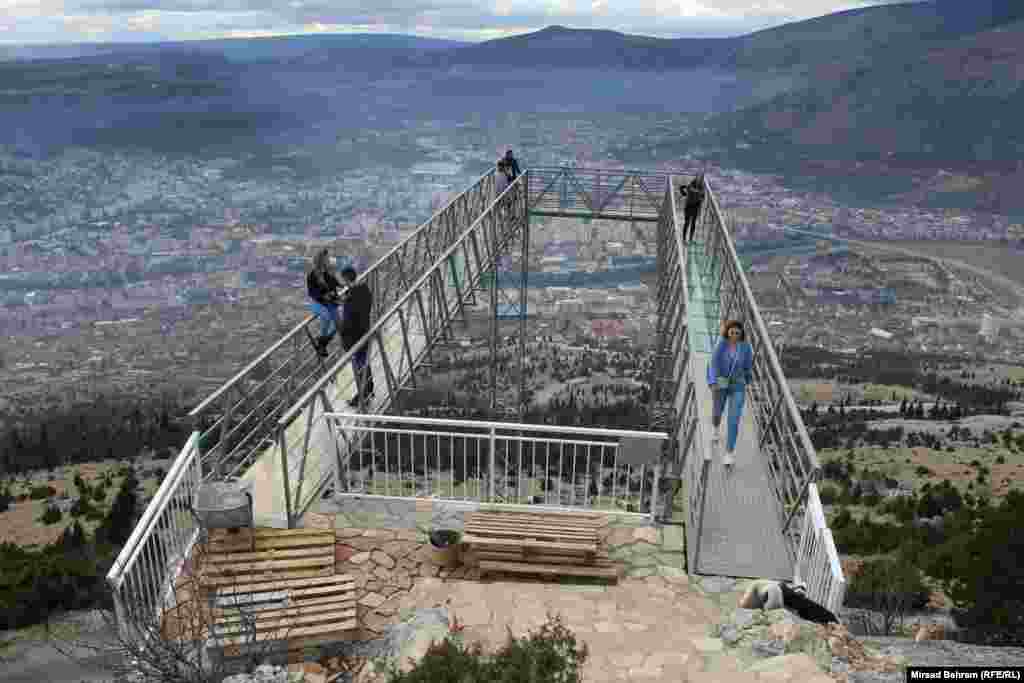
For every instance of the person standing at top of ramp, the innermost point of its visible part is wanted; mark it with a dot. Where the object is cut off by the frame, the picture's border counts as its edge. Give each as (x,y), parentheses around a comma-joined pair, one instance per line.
(355,323)
(322,286)
(694,194)
(501,178)
(512,165)
(729,373)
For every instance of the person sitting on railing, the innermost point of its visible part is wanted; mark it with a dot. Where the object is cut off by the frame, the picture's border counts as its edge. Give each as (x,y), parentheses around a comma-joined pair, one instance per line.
(355,323)
(694,195)
(729,372)
(323,286)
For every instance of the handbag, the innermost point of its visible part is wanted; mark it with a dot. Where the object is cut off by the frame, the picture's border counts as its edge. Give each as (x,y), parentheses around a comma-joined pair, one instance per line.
(727,381)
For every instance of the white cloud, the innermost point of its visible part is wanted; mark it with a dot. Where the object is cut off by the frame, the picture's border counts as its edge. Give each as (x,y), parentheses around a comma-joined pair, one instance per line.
(28,21)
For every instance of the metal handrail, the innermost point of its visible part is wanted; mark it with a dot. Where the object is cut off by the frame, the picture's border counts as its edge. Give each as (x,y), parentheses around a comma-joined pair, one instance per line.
(817,561)
(365,275)
(247,370)
(488,424)
(490,437)
(168,487)
(762,330)
(377,327)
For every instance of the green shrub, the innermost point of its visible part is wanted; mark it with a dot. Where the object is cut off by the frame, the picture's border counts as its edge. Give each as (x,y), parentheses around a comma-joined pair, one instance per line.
(871,499)
(99,495)
(549,655)
(828,493)
(1001,460)
(41,492)
(52,515)
(890,586)
(82,507)
(980,570)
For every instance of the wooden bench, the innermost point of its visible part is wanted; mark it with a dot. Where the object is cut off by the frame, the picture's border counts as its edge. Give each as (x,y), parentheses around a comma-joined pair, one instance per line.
(285,589)
(536,543)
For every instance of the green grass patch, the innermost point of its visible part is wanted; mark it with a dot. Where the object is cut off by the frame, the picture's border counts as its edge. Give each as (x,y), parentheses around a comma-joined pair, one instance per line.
(955,466)
(884,392)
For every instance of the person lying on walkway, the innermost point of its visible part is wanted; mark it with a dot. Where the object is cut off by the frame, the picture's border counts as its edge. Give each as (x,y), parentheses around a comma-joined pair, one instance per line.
(694,195)
(322,286)
(355,323)
(729,372)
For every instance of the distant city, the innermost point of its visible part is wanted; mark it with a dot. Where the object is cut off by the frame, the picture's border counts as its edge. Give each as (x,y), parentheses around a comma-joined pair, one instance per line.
(137,243)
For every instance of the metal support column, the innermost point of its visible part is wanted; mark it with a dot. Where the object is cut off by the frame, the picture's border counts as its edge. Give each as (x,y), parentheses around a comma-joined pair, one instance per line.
(524,266)
(494,335)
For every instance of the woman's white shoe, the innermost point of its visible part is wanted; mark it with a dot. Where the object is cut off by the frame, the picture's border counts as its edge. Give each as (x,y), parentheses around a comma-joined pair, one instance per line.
(727,460)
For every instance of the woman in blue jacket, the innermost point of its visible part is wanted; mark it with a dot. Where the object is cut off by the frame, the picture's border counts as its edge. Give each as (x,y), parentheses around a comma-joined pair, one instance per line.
(729,372)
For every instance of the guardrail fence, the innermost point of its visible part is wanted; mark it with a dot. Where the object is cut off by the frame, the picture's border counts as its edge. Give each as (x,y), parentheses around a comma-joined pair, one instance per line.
(541,466)
(143,576)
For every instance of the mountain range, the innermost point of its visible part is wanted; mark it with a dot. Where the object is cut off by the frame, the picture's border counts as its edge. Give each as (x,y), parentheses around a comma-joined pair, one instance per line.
(913,85)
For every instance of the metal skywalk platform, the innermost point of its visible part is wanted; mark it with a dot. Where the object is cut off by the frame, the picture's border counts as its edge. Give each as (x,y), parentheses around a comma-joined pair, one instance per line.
(277,423)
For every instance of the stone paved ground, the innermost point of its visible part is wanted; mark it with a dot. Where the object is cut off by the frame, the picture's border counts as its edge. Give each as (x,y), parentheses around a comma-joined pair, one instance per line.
(654,625)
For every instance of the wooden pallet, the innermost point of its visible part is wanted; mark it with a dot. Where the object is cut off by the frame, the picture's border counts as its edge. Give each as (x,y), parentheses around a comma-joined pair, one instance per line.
(280,554)
(295,611)
(284,590)
(536,543)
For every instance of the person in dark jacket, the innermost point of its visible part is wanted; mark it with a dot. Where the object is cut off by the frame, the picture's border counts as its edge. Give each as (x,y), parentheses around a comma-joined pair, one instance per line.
(323,286)
(729,373)
(501,178)
(355,323)
(694,194)
(512,166)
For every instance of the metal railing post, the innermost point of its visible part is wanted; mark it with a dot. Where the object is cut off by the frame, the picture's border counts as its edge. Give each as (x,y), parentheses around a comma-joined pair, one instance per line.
(654,492)
(283,445)
(493,457)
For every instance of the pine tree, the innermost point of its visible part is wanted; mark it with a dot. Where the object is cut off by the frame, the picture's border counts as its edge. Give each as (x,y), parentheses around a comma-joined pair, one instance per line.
(118,524)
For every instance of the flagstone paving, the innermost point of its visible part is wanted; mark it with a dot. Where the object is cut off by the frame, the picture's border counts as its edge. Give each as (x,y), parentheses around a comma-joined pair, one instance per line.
(655,624)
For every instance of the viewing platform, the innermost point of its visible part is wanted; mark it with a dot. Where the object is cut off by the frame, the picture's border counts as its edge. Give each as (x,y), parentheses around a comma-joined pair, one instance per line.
(283,428)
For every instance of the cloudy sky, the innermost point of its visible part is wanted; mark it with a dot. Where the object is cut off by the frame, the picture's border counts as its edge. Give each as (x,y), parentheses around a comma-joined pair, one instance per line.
(77,21)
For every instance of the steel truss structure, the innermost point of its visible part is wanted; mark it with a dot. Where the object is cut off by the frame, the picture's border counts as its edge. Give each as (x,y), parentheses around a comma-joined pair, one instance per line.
(280,415)
(236,421)
(400,342)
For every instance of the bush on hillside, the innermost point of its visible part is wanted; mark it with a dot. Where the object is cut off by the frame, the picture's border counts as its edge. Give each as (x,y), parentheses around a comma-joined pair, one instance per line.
(42,492)
(828,493)
(979,568)
(865,537)
(82,507)
(889,586)
(52,515)
(549,655)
